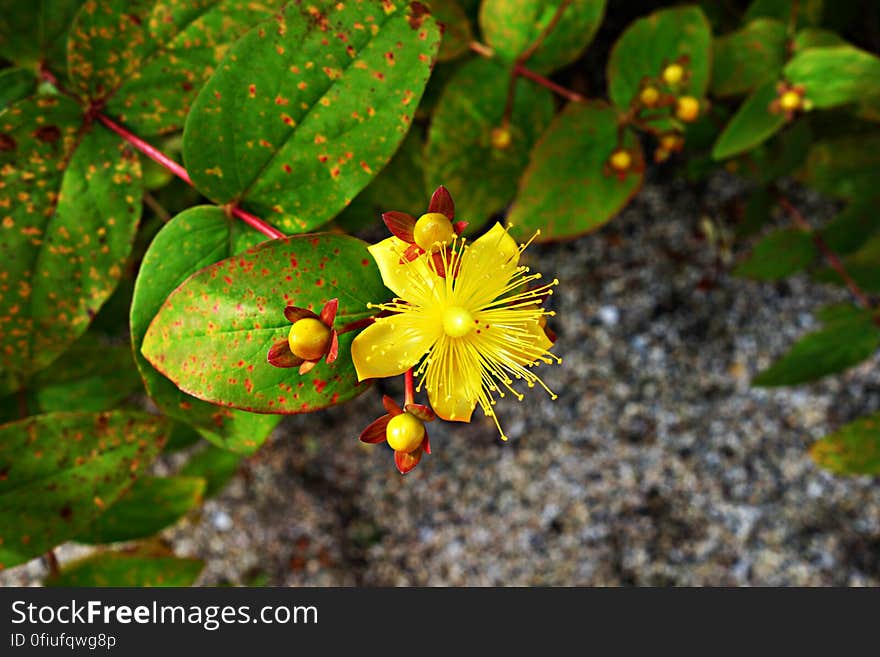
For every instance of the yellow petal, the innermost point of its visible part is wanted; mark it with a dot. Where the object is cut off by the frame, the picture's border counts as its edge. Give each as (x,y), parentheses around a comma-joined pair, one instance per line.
(458,402)
(390,347)
(486,266)
(496,244)
(539,345)
(397,275)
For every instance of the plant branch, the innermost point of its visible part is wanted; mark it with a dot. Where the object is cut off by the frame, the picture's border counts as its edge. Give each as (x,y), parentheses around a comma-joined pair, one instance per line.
(164,161)
(410,394)
(526,54)
(833,259)
(154,205)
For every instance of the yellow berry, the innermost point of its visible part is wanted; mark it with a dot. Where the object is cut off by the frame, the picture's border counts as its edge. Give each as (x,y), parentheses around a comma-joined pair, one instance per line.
(432,230)
(790,101)
(501,138)
(687,108)
(309,338)
(457,322)
(670,142)
(649,96)
(673,74)
(405,432)
(620,160)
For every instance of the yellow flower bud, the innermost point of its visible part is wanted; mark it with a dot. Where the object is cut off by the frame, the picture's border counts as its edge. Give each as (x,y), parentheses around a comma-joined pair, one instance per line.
(687,108)
(309,338)
(405,432)
(620,160)
(671,142)
(790,101)
(432,230)
(673,74)
(649,96)
(501,138)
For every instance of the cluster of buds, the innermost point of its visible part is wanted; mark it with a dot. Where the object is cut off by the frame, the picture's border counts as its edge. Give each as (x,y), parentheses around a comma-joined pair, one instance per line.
(790,100)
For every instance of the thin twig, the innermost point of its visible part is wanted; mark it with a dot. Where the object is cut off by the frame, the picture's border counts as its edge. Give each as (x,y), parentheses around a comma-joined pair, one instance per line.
(154,205)
(526,54)
(833,259)
(565,92)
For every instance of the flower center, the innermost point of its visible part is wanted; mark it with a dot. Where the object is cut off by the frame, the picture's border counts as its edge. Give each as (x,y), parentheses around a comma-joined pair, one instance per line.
(432,230)
(457,322)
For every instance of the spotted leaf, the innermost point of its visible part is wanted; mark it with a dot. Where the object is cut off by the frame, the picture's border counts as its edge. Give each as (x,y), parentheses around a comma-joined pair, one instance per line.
(70,201)
(212,335)
(138,568)
(61,470)
(308,107)
(37,33)
(194,239)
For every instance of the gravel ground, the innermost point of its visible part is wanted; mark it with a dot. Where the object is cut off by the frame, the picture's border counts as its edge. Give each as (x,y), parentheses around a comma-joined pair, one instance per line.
(657,465)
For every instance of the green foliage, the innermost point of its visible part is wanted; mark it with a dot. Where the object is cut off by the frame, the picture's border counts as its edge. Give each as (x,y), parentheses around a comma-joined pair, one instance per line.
(61,470)
(854,449)
(15,84)
(753,124)
(330,111)
(748,57)
(460,153)
(845,167)
(845,341)
(583,136)
(215,466)
(137,568)
(513,26)
(212,339)
(28,38)
(835,75)
(779,254)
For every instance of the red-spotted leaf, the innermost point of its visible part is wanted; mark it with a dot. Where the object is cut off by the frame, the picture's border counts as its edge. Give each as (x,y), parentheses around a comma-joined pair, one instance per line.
(650,43)
(31,33)
(512,26)
(853,449)
(457,32)
(61,470)
(69,207)
(194,239)
(130,568)
(307,108)
(460,152)
(147,60)
(212,335)
(15,84)
(568,188)
(835,75)
(150,505)
(748,57)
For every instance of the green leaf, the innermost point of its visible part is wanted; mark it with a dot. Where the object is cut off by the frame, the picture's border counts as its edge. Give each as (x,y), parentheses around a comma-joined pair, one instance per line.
(147,60)
(835,75)
(65,231)
(752,125)
(863,266)
(845,167)
(213,333)
(129,569)
(60,470)
(782,155)
(813,37)
(457,32)
(37,33)
(300,116)
(399,186)
(652,42)
(809,11)
(748,57)
(854,449)
(843,343)
(853,225)
(459,153)
(15,84)
(146,508)
(194,239)
(568,189)
(757,212)
(779,254)
(512,26)
(216,466)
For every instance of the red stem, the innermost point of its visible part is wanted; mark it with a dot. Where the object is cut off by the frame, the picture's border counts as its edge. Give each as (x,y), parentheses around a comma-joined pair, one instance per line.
(565,92)
(163,160)
(409,387)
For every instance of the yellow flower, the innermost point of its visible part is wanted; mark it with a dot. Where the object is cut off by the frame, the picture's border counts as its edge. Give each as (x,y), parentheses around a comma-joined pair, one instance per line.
(469,335)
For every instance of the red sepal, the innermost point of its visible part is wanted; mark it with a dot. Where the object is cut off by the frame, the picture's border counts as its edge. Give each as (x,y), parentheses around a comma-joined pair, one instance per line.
(375,431)
(550,333)
(426,444)
(441,201)
(412,252)
(400,224)
(391,406)
(333,351)
(424,413)
(406,462)
(328,312)
(280,355)
(292,313)
(459,227)
(307,366)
